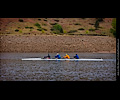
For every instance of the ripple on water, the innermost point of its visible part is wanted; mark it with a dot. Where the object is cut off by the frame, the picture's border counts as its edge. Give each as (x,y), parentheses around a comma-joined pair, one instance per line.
(17,70)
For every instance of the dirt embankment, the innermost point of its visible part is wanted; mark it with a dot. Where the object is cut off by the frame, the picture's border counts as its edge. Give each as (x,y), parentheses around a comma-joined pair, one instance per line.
(100,44)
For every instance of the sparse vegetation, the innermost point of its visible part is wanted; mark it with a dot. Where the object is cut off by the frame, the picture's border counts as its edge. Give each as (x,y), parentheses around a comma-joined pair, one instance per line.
(93,25)
(20,20)
(56,32)
(38,25)
(20,31)
(51,29)
(86,31)
(81,29)
(44,24)
(39,29)
(56,20)
(113,29)
(53,23)
(39,19)
(77,24)
(29,27)
(43,31)
(45,19)
(71,34)
(16,30)
(100,19)
(91,29)
(96,24)
(100,27)
(26,27)
(72,31)
(64,31)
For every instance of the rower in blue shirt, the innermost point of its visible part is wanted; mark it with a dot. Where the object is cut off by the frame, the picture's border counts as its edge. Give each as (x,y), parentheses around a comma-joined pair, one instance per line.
(58,56)
(76,56)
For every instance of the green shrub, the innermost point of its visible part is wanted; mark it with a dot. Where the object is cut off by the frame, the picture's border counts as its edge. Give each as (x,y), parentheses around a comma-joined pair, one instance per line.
(29,27)
(26,27)
(101,27)
(72,31)
(43,31)
(58,27)
(38,25)
(77,24)
(100,19)
(39,29)
(44,24)
(91,29)
(96,24)
(64,31)
(45,20)
(16,30)
(114,23)
(39,19)
(53,23)
(51,29)
(20,31)
(113,29)
(20,20)
(71,34)
(56,32)
(81,29)
(91,23)
(56,20)
(87,32)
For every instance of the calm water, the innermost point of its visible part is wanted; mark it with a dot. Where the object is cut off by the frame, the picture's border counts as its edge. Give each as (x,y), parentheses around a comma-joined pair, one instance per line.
(13,69)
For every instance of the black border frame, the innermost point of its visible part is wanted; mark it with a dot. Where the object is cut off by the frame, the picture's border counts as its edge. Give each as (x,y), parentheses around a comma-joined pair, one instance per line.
(62,11)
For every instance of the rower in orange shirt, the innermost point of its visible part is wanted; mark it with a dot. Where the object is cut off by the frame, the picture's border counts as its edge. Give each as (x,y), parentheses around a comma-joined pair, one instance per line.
(67,56)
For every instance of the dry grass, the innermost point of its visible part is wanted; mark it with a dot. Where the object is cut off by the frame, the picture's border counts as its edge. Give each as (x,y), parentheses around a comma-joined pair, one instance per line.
(8,25)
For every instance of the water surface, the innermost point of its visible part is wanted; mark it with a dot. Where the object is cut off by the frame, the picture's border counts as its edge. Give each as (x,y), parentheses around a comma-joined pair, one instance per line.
(12,68)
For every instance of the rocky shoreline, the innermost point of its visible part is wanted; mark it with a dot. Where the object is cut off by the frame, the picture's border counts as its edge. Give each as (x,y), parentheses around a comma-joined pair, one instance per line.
(50,43)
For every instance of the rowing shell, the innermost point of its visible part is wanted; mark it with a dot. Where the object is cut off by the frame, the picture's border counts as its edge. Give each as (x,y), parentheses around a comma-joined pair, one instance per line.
(63,59)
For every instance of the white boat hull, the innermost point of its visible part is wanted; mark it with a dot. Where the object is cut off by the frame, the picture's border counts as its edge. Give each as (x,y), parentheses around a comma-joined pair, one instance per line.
(63,59)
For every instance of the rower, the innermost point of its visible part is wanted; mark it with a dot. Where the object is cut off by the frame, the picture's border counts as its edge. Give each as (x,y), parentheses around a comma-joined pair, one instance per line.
(47,57)
(67,56)
(57,56)
(76,56)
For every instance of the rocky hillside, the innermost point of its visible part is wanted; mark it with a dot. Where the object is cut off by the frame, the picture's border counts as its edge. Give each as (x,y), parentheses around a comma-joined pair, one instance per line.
(49,43)
(70,26)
